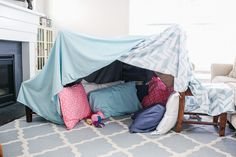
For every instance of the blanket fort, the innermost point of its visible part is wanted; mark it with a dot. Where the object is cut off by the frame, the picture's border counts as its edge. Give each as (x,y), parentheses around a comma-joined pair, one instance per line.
(75,56)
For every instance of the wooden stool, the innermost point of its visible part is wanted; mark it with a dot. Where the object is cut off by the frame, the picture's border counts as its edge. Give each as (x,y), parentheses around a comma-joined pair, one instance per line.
(219,120)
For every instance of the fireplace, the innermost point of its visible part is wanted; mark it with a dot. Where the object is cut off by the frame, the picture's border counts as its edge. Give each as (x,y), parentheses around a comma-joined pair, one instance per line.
(10,80)
(18,38)
(7,85)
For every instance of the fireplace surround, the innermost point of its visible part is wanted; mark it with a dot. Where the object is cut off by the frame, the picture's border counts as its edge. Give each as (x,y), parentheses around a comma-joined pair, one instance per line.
(18,38)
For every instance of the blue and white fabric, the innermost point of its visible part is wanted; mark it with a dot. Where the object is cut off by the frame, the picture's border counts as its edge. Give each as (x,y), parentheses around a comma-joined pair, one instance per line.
(75,56)
(214,98)
(166,53)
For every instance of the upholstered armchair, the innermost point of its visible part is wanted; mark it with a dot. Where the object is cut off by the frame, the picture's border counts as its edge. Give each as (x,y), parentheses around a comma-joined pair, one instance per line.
(219,74)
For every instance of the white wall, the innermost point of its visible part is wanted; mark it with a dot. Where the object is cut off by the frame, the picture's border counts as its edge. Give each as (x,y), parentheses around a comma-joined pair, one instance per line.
(94,17)
(41,6)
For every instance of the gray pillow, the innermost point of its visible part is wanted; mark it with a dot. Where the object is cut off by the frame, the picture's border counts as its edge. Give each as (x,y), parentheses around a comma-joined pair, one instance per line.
(89,87)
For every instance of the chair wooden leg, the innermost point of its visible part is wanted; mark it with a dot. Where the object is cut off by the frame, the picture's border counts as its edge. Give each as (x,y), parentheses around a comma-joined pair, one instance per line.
(215,119)
(222,124)
(1,151)
(180,113)
(28,112)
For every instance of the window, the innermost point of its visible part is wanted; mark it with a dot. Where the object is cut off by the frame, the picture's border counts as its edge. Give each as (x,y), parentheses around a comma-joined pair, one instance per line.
(44,45)
(209,24)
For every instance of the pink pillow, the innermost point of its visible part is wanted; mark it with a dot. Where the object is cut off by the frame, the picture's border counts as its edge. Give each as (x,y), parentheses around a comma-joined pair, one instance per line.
(74,105)
(158,92)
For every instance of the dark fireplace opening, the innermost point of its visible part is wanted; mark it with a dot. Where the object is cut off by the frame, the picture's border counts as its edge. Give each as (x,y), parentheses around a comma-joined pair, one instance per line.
(7,85)
(10,81)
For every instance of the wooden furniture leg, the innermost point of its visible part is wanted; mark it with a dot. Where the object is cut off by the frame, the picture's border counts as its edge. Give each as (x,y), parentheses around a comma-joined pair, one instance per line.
(219,121)
(215,119)
(181,112)
(29,113)
(222,124)
(1,151)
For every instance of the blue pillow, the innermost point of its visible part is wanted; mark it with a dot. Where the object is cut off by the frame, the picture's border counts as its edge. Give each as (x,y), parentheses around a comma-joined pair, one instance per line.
(116,100)
(147,119)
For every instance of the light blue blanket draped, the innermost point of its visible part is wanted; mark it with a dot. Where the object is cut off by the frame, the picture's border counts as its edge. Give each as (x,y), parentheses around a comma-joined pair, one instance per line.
(75,56)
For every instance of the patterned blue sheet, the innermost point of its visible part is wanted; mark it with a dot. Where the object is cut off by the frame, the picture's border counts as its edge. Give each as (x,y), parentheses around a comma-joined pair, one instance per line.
(213,99)
(166,53)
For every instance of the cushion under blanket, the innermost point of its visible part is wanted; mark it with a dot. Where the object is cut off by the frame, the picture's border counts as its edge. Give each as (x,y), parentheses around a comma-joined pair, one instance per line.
(89,87)
(148,119)
(116,100)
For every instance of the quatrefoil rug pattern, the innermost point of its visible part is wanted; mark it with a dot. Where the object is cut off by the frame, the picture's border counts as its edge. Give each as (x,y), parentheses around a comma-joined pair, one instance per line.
(43,139)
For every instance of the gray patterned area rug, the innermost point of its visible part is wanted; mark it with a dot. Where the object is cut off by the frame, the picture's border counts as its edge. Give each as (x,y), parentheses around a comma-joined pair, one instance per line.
(43,139)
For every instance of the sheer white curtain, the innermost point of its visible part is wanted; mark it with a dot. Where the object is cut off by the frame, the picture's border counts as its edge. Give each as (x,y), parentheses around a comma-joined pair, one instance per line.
(210,26)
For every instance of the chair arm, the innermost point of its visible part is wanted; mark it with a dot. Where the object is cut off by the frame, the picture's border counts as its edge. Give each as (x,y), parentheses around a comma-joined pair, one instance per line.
(220,69)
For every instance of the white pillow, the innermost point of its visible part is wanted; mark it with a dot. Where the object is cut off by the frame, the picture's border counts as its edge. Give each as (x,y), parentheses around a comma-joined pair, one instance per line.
(170,118)
(89,87)
(233,72)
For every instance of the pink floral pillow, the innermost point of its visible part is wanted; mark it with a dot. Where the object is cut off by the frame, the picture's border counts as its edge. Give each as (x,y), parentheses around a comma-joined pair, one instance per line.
(74,105)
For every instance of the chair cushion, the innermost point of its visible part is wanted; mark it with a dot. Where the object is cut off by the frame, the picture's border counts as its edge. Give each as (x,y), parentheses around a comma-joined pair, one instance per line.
(223,79)
(74,105)
(116,100)
(158,92)
(148,119)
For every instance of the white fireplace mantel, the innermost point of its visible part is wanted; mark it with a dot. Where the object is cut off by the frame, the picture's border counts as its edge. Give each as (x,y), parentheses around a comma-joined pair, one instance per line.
(21,24)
